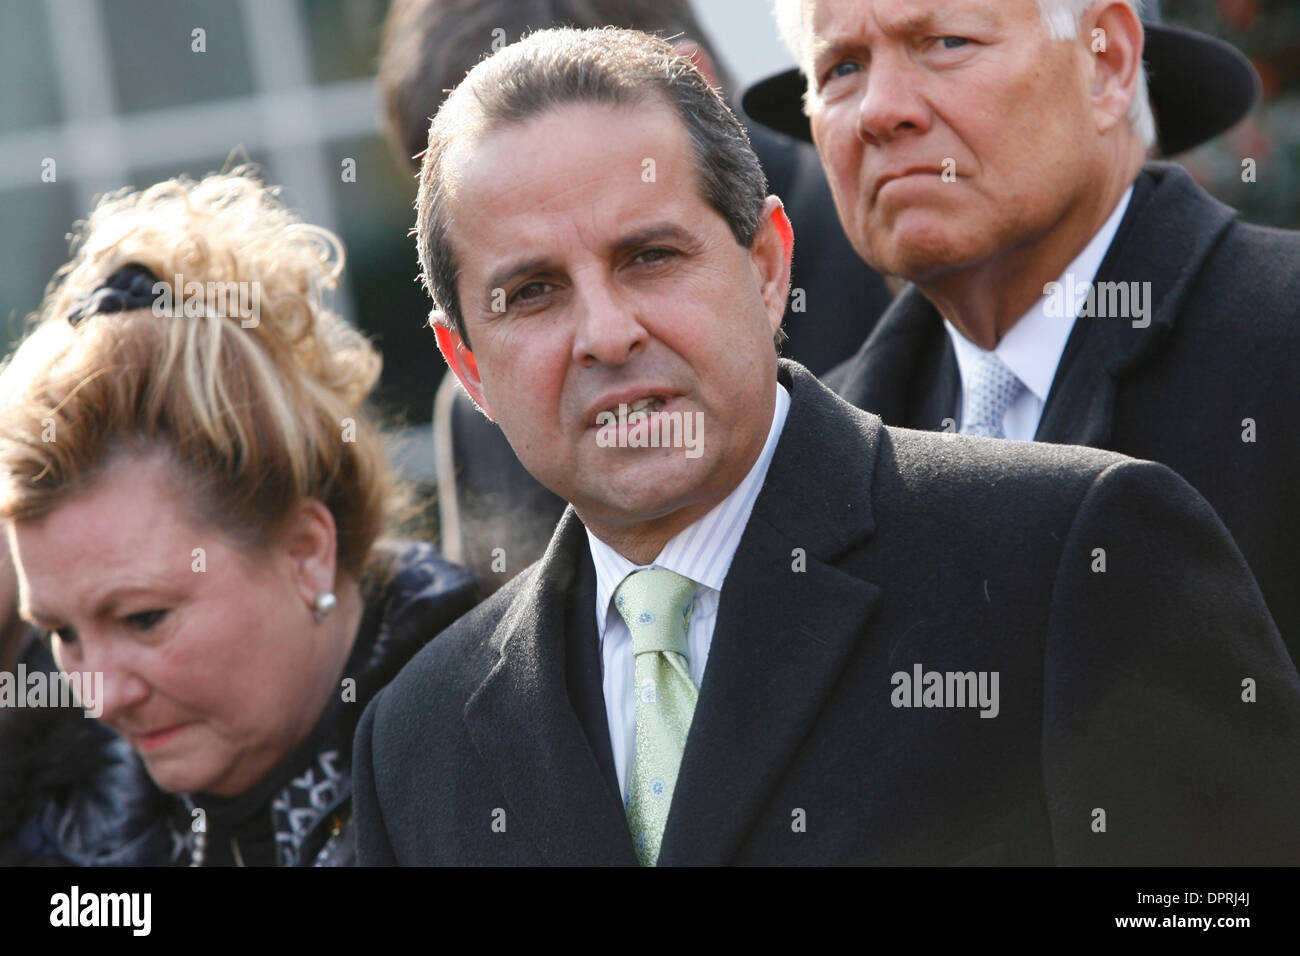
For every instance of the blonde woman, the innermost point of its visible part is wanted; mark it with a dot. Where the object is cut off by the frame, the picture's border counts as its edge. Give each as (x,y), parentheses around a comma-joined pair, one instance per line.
(196,499)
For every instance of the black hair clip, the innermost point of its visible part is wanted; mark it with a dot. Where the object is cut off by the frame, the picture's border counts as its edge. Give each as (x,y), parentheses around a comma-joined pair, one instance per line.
(130,287)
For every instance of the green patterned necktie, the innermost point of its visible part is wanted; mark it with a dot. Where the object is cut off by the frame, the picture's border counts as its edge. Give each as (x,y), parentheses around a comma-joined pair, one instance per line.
(656,604)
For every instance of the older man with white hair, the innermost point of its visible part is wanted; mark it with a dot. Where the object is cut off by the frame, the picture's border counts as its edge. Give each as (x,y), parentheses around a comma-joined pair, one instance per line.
(995,154)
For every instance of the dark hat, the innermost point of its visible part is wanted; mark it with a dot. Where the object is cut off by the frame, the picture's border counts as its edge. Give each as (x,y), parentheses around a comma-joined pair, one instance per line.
(1200,87)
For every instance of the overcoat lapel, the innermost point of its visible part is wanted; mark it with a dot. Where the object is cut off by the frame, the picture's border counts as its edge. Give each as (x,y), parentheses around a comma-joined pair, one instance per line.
(524,727)
(882,377)
(1169,230)
(784,629)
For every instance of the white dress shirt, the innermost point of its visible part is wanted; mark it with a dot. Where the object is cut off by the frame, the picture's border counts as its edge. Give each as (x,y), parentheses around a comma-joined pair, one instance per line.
(701,552)
(1032,348)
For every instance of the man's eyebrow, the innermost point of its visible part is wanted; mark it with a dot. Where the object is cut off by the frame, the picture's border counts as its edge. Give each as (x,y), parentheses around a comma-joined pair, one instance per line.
(502,276)
(933,19)
(819,48)
(650,234)
(926,21)
(641,237)
(834,48)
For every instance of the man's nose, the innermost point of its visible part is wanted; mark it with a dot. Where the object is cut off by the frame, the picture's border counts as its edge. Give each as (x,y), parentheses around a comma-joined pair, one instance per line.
(891,103)
(608,330)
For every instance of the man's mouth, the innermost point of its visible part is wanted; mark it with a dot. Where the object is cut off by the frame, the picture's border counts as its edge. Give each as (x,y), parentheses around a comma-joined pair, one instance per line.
(887,178)
(611,411)
(650,404)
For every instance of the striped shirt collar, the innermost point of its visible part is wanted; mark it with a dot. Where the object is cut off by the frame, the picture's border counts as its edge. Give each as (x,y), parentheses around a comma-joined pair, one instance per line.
(703,550)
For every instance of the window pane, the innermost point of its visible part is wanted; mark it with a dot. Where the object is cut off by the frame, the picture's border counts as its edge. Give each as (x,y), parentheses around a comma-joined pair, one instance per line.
(154,64)
(34,245)
(28,92)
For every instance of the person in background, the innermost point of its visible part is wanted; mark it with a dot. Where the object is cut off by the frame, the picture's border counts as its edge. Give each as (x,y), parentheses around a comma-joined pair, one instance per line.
(494,516)
(1066,289)
(199,508)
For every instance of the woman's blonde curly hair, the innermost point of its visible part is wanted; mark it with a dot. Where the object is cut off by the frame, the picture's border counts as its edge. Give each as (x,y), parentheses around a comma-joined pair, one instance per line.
(257,416)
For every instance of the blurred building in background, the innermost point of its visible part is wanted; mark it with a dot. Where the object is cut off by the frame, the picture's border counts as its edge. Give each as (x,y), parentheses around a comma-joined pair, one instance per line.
(98,94)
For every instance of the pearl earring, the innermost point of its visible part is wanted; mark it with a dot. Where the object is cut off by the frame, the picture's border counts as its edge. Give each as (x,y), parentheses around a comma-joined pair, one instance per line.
(323,604)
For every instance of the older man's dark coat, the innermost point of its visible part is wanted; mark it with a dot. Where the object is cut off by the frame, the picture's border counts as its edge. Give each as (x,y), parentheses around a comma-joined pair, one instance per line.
(1121,734)
(1209,388)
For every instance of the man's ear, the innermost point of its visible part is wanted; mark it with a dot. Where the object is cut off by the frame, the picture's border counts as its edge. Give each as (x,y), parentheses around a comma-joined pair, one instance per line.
(771,254)
(1115,40)
(459,358)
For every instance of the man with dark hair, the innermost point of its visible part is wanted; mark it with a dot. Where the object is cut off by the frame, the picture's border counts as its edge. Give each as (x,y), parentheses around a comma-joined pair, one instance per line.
(495,518)
(769,629)
(1065,290)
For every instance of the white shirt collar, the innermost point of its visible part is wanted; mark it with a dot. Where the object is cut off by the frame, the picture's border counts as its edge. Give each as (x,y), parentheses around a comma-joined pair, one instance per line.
(702,551)
(1032,348)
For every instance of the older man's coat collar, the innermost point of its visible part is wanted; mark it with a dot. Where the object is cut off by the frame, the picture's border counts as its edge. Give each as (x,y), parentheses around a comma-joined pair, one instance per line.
(785,609)
(1170,228)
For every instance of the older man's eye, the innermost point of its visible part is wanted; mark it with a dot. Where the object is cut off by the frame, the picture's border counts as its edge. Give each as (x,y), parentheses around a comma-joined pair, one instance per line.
(842,68)
(952,43)
(145,620)
(65,635)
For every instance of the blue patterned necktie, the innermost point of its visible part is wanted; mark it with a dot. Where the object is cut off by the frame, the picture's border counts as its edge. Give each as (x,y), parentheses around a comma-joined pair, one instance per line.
(656,604)
(992,389)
